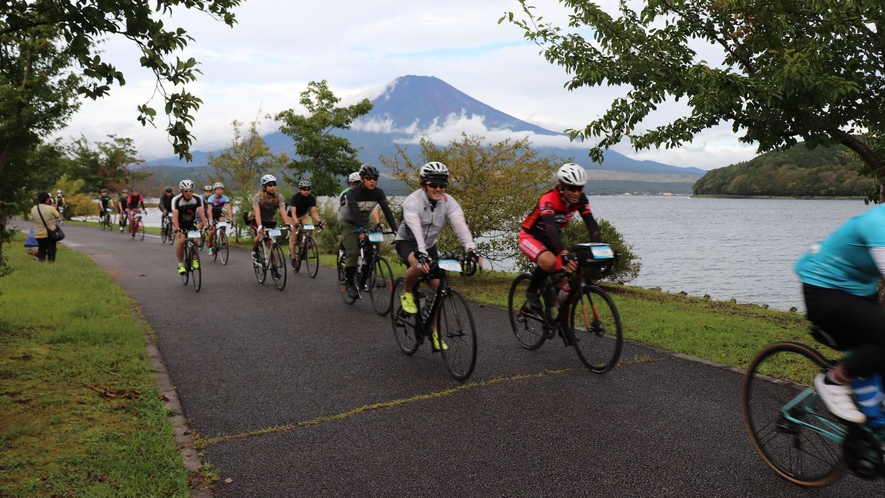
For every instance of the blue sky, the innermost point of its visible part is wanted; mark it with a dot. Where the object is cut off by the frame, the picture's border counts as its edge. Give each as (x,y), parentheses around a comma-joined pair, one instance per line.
(262,65)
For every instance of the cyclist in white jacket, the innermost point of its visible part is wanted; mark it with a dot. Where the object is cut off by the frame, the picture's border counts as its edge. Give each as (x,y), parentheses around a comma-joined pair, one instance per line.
(425,213)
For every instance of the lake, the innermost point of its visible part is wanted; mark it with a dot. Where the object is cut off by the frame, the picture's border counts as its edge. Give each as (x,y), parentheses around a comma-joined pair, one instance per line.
(741,249)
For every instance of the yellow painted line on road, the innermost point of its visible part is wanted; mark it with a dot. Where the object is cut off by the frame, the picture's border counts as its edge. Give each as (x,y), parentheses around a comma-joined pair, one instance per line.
(202,442)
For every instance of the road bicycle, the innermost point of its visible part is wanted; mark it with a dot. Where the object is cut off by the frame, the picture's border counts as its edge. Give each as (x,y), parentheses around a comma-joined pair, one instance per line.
(443,309)
(191,260)
(167,229)
(270,258)
(219,243)
(137,226)
(373,274)
(585,317)
(104,218)
(124,220)
(789,425)
(307,251)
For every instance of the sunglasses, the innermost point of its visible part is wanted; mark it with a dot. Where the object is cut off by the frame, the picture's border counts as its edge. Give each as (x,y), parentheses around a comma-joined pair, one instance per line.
(271,184)
(574,188)
(305,188)
(186,191)
(371,178)
(436,185)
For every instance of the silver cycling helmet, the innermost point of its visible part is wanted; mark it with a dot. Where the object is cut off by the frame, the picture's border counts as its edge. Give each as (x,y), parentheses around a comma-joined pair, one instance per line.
(186,185)
(216,185)
(268,178)
(572,174)
(354,177)
(304,184)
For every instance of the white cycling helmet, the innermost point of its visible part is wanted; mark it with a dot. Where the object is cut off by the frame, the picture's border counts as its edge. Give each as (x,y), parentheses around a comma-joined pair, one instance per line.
(207,188)
(268,178)
(186,185)
(58,192)
(304,184)
(216,185)
(354,177)
(435,171)
(572,174)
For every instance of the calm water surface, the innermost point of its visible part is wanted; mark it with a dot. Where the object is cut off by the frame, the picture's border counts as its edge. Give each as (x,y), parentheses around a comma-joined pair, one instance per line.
(740,249)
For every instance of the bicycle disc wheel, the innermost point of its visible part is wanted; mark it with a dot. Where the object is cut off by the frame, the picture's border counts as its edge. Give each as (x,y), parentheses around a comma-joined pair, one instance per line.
(380,286)
(594,325)
(187,263)
(342,279)
(223,248)
(312,261)
(278,266)
(403,323)
(197,277)
(141,229)
(457,334)
(527,325)
(785,418)
(260,266)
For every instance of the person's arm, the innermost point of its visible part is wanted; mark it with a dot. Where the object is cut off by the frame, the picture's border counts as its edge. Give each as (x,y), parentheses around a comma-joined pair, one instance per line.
(412,218)
(455,216)
(230,213)
(282,207)
(256,209)
(388,214)
(350,196)
(376,215)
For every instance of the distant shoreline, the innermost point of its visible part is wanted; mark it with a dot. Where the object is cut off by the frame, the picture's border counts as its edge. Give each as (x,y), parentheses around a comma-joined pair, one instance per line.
(815,198)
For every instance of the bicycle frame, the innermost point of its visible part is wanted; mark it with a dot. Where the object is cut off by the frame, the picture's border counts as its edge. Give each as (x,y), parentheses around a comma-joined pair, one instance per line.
(803,402)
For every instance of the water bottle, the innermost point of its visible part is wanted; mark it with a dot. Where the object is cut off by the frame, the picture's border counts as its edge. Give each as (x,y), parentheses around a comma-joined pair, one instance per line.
(562,296)
(870,399)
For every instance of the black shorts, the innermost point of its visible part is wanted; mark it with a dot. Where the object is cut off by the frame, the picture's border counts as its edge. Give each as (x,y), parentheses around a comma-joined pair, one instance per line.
(406,247)
(186,227)
(269,224)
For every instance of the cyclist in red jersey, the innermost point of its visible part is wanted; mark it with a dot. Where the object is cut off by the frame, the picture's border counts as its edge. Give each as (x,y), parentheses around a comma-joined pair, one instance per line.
(540,238)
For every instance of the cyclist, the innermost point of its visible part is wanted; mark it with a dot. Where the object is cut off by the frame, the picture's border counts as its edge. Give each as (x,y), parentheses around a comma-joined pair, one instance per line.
(104,205)
(166,202)
(186,208)
(425,212)
(59,200)
(218,203)
(352,181)
(353,215)
(135,202)
(265,205)
(122,207)
(540,239)
(839,279)
(302,207)
(207,193)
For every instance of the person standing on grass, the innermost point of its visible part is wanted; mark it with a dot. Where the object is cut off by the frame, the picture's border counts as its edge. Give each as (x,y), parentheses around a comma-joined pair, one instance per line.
(46,246)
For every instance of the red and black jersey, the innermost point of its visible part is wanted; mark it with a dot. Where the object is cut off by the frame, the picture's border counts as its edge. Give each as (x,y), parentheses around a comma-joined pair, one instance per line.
(134,200)
(552,214)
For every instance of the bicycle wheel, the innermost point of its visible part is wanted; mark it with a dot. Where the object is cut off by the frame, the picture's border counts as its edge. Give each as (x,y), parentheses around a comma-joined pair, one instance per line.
(278,266)
(457,333)
(312,259)
(786,420)
(140,229)
(380,285)
(222,247)
(260,266)
(197,276)
(103,222)
(342,279)
(164,231)
(214,246)
(595,328)
(403,323)
(527,325)
(187,257)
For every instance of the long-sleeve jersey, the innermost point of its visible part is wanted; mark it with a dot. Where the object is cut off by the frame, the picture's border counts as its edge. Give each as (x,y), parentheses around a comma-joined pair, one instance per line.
(358,204)
(424,219)
(552,214)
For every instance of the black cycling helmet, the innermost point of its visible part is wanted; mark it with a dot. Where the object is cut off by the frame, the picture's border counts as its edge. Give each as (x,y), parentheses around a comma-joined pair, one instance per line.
(168,189)
(368,170)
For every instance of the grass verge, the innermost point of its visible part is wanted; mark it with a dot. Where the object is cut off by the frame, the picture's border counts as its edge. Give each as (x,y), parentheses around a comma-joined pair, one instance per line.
(80,408)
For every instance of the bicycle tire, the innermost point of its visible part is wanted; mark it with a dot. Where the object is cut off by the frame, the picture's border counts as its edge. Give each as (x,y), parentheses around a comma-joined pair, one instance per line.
(223,248)
(163,231)
(596,332)
(380,285)
(458,331)
(197,274)
(140,229)
(796,452)
(527,325)
(214,246)
(312,261)
(185,277)
(278,266)
(342,278)
(403,323)
(260,266)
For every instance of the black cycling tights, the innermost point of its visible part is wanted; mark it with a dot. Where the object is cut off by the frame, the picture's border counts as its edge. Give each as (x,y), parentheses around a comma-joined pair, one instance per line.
(859,321)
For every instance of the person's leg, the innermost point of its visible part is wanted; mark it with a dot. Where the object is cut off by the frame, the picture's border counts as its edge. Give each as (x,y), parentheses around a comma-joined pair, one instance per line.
(41,249)
(51,248)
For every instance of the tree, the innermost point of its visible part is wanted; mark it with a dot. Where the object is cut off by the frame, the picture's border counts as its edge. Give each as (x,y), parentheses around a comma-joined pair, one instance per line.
(321,154)
(242,163)
(789,70)
(497,184)
(106,165)
(80,27)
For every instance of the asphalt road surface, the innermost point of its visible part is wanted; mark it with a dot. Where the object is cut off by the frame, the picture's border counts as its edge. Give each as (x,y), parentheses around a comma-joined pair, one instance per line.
(252,364)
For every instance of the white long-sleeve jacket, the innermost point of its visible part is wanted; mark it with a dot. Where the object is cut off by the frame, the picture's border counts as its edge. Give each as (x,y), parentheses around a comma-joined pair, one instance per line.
(422,221)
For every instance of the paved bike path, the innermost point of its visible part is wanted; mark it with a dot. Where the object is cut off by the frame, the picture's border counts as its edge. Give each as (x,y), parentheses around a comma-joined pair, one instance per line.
(314,398)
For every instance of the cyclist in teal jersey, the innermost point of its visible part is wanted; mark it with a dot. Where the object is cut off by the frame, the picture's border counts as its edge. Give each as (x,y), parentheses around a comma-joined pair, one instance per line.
(218,203)
(840,277)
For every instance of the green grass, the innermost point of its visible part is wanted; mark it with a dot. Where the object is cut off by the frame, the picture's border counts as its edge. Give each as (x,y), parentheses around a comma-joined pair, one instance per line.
(60,436)
(80,407)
